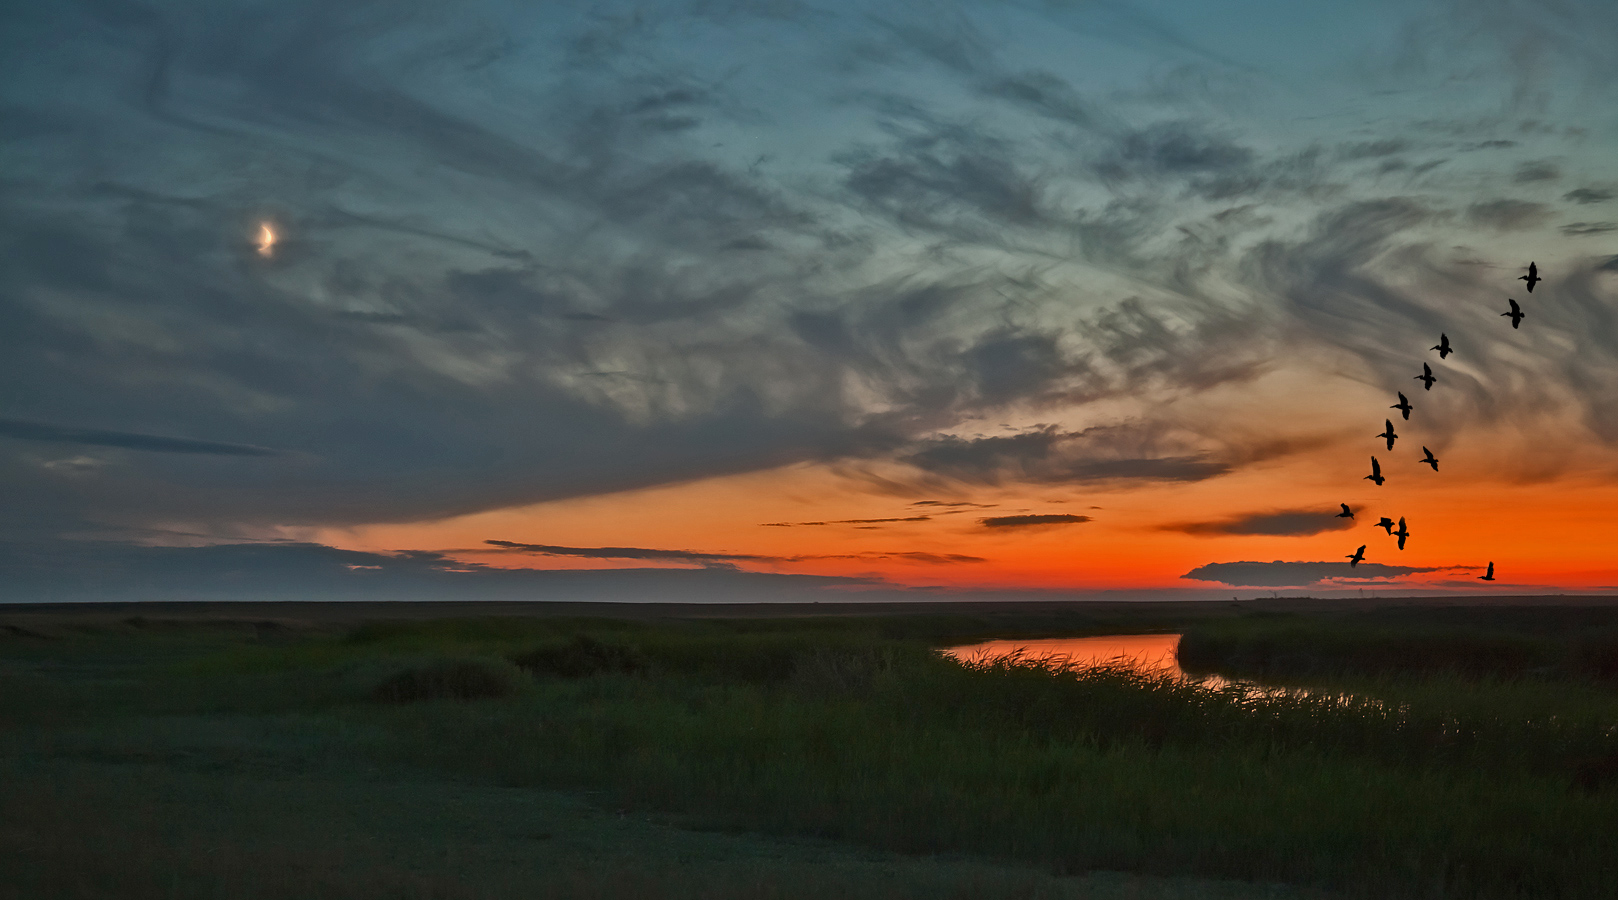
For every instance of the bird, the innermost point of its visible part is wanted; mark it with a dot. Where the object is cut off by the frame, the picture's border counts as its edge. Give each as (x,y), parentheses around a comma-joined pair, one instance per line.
(1431,460)
(1426,377)
(1402,533)
(1346,513)
(1387,432)
(1403,406)
(1532,277)
(1489,575)
(1385,522)
(1443,347)
(1356,557)
(1516,315)
(1376,473)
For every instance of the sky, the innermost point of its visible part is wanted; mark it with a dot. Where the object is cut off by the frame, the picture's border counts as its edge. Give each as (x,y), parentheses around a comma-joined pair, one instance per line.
(767,299)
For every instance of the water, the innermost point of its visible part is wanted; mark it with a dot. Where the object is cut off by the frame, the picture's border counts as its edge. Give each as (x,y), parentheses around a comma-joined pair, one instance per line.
(1154,654)
(1150,653)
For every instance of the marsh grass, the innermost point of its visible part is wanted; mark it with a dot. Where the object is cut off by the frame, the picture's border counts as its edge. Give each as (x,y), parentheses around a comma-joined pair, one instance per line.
(861,733)
(1565,643)
(466,679)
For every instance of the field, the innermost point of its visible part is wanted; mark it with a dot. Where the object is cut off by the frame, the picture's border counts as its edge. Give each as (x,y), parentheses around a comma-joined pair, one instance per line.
(269,751)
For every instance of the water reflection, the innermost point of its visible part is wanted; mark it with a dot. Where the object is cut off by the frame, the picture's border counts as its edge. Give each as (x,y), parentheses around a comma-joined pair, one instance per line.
(1153,654)
(1150,653)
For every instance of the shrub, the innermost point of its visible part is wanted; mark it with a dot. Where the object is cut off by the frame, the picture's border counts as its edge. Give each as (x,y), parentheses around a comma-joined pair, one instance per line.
(448,680)
(583,655)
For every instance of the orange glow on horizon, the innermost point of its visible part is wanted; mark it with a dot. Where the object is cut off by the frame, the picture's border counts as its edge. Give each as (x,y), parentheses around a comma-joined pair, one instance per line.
(811,519)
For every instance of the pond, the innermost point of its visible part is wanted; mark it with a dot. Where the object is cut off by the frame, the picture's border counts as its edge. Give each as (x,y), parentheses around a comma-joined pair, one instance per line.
(1144,652)
(1151,653)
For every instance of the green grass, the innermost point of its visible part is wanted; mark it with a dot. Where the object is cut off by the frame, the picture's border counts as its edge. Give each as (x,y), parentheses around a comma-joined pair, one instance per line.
(1567,643)
(906,773)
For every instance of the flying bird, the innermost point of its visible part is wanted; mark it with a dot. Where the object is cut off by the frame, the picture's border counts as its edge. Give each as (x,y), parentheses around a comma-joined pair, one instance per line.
(1426,377)
(1356,557)
(1376,473)
(1403,406)
(1346,513)
(1431,460)
(1443,347)
(1532,277)
(1402,533)
(1489,575)
(1387,432)
(1516,315)
(1385,522)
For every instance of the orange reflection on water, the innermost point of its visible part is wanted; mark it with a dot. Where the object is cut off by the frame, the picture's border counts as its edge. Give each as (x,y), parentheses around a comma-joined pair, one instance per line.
(1152,653)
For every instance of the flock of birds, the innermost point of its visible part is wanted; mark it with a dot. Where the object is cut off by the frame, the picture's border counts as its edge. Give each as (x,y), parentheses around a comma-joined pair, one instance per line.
(1427,379)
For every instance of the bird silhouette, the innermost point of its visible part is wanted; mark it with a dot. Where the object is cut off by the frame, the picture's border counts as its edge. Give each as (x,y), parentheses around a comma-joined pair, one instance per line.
(1385,522)
(1489,575)
(1532,277)
(1516,315)
(1356,557)
(1431,460)
(1426,377)
(1376,473)
(1403,406)
(1443,347)
(1387,432)
(1402,533)
(1346,513)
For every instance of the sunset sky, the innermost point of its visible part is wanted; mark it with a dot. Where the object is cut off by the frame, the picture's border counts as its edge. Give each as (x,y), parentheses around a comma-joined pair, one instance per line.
(759,299)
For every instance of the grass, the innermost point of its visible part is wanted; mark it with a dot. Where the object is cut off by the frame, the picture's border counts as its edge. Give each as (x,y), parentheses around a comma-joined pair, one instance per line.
(907,774)
(1564,643)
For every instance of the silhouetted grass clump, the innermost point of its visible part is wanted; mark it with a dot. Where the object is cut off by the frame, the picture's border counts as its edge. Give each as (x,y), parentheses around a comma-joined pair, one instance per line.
(581,656)
(448,680)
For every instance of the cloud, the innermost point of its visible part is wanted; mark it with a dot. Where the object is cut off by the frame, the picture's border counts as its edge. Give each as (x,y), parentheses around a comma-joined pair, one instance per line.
(1589,195)
(1578,229)
(83,571)
(37,431)
(1295,574)
(530,256)
(1029,521)
(1286,522)
(1508,215)
(642,553)
(850,521)
(725,559)
(1047,455)
(1177,148)
(1536,170)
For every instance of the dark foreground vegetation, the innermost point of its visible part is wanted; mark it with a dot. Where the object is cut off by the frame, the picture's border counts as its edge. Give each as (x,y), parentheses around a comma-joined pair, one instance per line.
(828,757)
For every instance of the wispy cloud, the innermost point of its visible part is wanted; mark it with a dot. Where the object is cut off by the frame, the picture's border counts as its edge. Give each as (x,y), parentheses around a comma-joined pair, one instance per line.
(726,559)
(850,521)
(1298,574)
(1033,520)
(1284,522)
(125,440)
(641,553)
